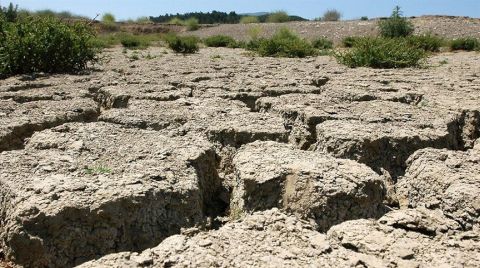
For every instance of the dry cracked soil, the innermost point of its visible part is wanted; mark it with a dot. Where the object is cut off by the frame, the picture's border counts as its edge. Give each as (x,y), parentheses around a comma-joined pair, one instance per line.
(220,159)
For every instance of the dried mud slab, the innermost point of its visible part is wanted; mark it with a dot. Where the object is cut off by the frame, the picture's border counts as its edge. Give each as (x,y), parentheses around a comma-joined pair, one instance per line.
(409,238)
(309,184)
(80,191)
(448,180)
(226,122)
(19,121)
(264,239)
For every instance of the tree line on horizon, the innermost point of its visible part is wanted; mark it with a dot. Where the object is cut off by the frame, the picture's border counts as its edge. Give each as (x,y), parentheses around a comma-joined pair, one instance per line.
(216,17)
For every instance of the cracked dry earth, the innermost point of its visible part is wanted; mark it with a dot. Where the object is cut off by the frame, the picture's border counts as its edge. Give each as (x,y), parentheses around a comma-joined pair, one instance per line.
(220,159)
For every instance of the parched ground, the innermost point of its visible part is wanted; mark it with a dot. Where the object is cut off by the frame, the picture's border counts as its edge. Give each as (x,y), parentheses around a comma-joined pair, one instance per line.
(449,27)
(224,159)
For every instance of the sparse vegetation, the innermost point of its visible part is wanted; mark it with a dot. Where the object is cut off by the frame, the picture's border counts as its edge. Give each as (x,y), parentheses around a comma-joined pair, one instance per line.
(322,43)
(382,53)
(192,24)
(176,21)
(364,18)
(427,42)
(249,19)
(331,15)
(350,41)
(396,25)
(283,44)
(45,44)
(220,41)
(278,17)
(468,44)
(98,170)
(109,22)
(126,40)
(182,44)
(133,41)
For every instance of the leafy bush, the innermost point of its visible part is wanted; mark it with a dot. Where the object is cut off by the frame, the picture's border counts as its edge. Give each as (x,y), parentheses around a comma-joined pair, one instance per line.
(133,41)
(249,19)
(350,41)
(468,44)
(396,25)
(322,43)
(220,41)
(364,18)
(45,44)
(382,53)
(176,21)
(182,44)
(108,18)
(283,44)
(278,17)
(331,15)
(427,42)
(192,24)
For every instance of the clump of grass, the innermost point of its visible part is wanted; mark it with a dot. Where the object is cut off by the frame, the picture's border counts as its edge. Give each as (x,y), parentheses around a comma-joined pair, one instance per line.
(427,42)
(350,41)
(382,53)
(322,43)
(331,15)
(97,170)
(249,19)
(220,41)
(278,17)
(126,40)
(182,44)
(283,44)
(45,44)
(133,42)
(468,44)
(192,24)
(396,25)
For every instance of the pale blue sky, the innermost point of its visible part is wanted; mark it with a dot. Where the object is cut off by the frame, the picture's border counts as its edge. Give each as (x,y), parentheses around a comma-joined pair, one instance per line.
(124,9)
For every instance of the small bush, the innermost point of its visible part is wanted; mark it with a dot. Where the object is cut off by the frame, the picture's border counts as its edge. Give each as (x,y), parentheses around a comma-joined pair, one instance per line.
(283,44)
(350,41)
(382,53)
(396,25)
(143,20)
(220,41)
(182,44)
(176,21)
(192,24)
(278,17)
(427,42)
(322,43)
(249,19)
(45,44)
(108,18)
(364,18)
(468,44)
(133,41)
(331,15)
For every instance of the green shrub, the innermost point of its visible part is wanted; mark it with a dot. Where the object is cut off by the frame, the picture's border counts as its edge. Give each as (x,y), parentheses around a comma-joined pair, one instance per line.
(108,18)
(143,20)
(133,41)
(468,44)
(382,53)
(427,42)
(331,15)
(220,41)
(9,13)
(249,19)
(278,17)
(192,24)
(396,25)
(283,44)
(182,44)
(350,41)
(322,43)
(176,21)
(45,44)
(364,18)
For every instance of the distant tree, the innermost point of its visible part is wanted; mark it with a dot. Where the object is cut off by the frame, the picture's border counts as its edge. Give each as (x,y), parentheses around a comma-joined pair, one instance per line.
(331,15)
(278,17)
(396,25)
(9,13)
(108,18)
